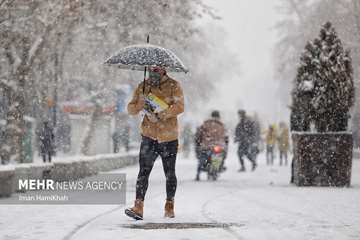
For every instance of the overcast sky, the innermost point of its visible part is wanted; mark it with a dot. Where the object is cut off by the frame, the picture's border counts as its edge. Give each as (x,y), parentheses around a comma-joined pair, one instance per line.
(250,34)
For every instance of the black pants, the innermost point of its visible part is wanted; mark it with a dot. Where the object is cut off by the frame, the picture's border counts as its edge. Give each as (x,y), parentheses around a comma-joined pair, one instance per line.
(149,150)
(116,145)
(118,142)
(48,155)
(203,156)
(246,151)
(292,180)
(269,155)
(283,154)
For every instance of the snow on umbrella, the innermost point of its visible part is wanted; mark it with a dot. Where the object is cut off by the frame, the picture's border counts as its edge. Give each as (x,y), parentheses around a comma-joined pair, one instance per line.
(136,57)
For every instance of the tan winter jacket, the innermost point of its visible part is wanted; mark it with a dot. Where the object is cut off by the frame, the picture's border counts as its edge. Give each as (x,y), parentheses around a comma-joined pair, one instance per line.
(166,128)
(283,139)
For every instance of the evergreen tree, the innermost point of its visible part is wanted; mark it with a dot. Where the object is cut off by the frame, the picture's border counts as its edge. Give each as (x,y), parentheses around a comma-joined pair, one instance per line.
(302,94)
(334,89)
(324,87)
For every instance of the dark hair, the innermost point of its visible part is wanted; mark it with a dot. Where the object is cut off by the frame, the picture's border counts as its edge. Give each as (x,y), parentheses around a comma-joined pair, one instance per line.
(241,112)
(215,114)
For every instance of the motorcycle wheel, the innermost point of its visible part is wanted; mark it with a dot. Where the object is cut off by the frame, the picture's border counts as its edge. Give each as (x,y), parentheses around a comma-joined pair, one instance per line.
(212,174)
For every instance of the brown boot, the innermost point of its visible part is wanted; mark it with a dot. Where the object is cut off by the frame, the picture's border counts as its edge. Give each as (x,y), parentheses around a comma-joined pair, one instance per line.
(136,211)
(169,209)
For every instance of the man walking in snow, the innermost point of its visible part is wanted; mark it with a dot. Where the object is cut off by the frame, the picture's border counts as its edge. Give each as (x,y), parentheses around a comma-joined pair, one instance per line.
(46,141)
(159,136)
(245,136)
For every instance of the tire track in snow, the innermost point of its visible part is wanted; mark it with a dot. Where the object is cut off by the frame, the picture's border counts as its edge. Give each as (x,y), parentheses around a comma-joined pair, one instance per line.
(86,223)
(83,225)
(207,216)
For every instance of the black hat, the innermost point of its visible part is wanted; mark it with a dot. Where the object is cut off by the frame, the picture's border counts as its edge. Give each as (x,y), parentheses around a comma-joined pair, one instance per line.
(241,112)
(215,114)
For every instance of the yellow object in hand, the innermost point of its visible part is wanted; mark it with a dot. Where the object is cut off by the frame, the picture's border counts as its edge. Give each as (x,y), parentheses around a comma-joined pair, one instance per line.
(157,103)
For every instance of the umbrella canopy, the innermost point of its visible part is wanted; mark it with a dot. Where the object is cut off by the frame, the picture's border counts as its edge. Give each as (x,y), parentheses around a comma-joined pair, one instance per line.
(136,57)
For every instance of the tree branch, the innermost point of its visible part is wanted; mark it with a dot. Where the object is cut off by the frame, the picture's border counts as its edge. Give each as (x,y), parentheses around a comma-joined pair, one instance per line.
(296,9)
(6,84)
(17,60)
(35,48)
(40,41)
(2,2)
(8,2)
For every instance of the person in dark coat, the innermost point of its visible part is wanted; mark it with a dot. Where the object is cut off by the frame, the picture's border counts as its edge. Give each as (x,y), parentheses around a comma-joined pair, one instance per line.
(46,140)
(211,133)
(197,143)
(245,136)
(116,141)
(296,124)
(187,136)
(121,138)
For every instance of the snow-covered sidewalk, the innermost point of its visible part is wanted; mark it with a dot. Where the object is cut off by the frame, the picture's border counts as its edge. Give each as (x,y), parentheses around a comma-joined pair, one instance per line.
(261,204)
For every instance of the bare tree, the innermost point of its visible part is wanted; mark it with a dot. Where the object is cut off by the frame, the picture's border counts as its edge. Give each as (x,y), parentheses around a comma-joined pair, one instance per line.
(53,48)
(21,49)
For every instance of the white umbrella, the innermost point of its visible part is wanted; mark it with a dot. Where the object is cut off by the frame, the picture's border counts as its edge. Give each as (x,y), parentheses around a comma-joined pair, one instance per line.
(137,57)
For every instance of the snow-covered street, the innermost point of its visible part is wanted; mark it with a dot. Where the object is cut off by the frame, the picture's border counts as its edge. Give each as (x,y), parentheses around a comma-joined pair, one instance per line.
(92,92)
(260,205)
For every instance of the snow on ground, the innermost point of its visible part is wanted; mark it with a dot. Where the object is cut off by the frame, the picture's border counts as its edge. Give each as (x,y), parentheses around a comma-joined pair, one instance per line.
(62,157)
(261,203)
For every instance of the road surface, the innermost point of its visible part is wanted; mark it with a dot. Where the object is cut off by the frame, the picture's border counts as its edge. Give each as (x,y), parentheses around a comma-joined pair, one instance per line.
(251,205)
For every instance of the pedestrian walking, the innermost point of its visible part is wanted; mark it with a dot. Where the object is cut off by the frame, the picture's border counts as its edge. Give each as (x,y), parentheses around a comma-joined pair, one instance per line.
(187,137)
(116,141)
(270,145)
(283,143)
(245,136)
(159,135)
(121,138)
(46,141)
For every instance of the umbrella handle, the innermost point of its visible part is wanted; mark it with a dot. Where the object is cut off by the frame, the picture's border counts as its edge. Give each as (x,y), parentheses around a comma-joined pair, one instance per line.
(144,80)
(147,40)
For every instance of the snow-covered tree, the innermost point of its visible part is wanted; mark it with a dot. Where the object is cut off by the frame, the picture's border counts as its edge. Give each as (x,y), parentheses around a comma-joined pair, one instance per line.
(324,87)
(300,22)
(25,29)
(50,50)
(303,91)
